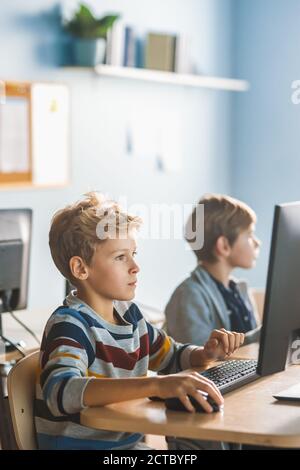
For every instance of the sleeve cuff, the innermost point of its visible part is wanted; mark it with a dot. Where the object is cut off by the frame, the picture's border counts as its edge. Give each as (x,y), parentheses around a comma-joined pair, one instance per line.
(73,394)
(252,336)
(185,362)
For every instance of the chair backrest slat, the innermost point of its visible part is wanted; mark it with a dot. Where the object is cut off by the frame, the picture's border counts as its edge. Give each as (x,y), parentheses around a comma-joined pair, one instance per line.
(21,391)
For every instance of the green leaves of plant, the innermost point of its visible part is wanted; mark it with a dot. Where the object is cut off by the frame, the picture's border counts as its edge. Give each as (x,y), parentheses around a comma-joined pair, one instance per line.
(104,24)
(85,25)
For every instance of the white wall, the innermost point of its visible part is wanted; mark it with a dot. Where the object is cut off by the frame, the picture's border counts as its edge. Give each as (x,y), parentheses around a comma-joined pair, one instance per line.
(31,48)
(266,123)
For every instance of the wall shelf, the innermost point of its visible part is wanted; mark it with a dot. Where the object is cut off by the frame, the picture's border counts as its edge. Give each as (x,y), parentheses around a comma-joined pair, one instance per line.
(171,78)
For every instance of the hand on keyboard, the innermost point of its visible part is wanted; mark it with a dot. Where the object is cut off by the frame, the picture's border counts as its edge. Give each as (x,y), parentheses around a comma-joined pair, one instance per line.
(222,343)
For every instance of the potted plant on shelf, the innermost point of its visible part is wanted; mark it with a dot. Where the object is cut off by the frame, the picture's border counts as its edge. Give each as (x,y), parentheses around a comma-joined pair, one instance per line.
(90,35)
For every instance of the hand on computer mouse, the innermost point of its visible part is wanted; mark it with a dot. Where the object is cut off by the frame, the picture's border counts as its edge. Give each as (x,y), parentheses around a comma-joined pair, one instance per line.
(176,405)
(188,384)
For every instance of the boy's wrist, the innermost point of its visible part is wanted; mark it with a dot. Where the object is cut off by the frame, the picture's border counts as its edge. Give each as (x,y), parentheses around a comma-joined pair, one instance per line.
(155,385)
(199,358)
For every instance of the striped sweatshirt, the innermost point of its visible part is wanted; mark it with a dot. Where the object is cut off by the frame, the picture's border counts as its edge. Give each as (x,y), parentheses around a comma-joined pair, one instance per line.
(78,345)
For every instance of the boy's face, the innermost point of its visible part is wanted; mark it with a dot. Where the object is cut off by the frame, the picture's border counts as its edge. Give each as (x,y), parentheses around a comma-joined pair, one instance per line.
(245,250)
(113,270)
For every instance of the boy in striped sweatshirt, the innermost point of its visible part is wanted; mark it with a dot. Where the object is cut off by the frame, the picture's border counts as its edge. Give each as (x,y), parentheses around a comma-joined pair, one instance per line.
(97,348)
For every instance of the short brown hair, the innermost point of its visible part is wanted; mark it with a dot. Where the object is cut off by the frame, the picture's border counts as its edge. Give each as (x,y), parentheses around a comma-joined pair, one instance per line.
(73,229)
(223,216)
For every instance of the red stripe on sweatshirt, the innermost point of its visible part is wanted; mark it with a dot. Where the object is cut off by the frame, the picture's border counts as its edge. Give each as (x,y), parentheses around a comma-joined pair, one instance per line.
(55,344)
(120,358)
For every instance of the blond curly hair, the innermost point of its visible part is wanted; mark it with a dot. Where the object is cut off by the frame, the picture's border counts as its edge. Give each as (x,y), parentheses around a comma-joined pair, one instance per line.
(75,230)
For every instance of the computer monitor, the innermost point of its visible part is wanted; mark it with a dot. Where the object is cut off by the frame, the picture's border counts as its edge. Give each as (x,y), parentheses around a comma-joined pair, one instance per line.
(281,320)
(15,238)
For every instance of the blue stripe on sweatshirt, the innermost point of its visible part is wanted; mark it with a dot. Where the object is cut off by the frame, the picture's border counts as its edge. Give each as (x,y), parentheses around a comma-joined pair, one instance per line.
(53,380)
(89,322)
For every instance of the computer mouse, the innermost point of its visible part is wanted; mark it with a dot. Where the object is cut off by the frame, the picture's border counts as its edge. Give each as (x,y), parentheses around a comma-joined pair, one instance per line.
(176,405)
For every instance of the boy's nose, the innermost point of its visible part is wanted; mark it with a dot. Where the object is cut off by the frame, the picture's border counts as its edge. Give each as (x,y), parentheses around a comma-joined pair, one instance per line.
(135,268)
(257,242)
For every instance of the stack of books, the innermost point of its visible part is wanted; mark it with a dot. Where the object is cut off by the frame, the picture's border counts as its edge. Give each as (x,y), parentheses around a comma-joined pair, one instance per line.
(159,51)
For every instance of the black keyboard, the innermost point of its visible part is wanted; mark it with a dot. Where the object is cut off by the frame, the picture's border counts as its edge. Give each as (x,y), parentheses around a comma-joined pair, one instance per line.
(232,374)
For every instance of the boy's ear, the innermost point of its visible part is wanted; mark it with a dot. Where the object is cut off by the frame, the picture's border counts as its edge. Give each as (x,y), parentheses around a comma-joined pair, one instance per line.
(222,247)
(78,268)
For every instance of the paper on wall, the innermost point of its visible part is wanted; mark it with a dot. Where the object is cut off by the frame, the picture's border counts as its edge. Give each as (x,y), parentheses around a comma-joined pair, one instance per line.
(50,133)
(14,136)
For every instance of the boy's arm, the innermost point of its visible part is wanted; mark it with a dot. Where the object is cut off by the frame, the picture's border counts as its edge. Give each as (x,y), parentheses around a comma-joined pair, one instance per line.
(66,352)
(165,354)
(99,392)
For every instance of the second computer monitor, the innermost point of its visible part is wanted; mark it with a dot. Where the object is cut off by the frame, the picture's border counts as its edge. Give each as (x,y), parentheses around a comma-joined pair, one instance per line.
(282,304)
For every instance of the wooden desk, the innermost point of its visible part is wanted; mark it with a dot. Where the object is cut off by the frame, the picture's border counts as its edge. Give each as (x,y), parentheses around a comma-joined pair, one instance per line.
(251,415)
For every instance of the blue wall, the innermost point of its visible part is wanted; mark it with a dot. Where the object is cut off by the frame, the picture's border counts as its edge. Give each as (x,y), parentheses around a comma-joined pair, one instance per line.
(32,47)
(266,124)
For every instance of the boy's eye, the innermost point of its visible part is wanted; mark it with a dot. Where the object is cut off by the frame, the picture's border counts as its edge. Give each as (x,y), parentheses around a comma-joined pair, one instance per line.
(122,257)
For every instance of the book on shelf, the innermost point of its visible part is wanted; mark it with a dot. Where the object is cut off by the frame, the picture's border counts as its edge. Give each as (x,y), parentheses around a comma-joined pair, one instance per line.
(122,46)
(160,52)
(129,48)
(165,52)
(116,44)
(183,54)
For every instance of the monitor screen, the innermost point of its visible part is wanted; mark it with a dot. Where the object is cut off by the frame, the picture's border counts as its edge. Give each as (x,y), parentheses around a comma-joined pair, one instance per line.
(281,321)
(15,237)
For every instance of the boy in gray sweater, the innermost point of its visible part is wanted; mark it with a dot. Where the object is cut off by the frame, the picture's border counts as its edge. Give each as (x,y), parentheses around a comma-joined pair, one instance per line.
(210,298)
